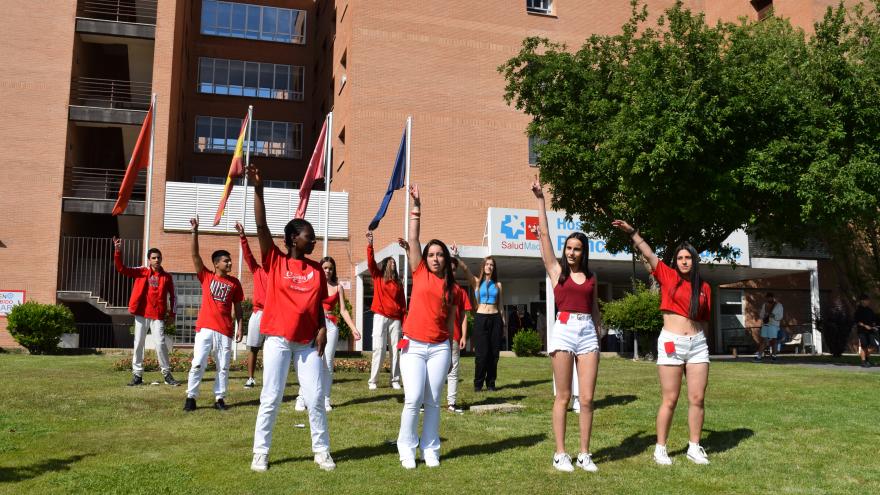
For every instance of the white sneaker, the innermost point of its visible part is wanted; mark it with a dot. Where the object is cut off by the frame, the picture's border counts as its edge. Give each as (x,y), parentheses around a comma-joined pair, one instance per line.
(562,462)
(576,405)
(408,463)
(327,406)
(250,383)
(300,404)
(371,386)
(395,385)
(585,462)
(324,461)
(661,457)
(431,460)
(260,463)
(697,454)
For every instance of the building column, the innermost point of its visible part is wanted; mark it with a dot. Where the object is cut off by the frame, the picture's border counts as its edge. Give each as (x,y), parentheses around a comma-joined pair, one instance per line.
(814,308)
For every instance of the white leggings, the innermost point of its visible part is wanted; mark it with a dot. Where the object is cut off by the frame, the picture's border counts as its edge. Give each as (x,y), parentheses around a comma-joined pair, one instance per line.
(329,356)
(206,340)
(452,377)
(423,366)
(385,329)
(277,355)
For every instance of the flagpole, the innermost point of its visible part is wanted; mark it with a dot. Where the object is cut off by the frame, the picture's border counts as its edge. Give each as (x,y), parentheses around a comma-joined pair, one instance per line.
(406,210)
(247,162)
(147,208)
(329,165)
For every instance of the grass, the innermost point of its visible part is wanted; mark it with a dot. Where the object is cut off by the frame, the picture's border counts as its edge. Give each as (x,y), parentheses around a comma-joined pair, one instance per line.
(68,425)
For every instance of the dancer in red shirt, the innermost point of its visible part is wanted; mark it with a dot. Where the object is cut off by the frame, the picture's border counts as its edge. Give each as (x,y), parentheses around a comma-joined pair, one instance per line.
(254,337)
(389,306)
(221,295)
(425,347)
(150,295)
(685,300)
(295,329)
(575,335)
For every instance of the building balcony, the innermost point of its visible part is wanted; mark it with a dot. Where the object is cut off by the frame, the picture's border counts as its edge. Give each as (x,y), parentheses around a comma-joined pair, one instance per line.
(109,101)
(123,18)
(94,190)
(185,200)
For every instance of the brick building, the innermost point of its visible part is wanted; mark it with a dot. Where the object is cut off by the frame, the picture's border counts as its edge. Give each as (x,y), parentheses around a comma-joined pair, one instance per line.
(84,72)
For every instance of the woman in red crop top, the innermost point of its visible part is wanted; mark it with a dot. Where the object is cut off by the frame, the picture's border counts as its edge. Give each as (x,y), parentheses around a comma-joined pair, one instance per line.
(685,300)
(294,325)
(425,348)
(389,306)
(574,340)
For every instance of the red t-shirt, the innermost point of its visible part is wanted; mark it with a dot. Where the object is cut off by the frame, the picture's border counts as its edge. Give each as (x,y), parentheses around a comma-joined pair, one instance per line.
(462,305)
(675,293)
(219,294)
(388,299)
(258,273)
(426,320)
(294,294)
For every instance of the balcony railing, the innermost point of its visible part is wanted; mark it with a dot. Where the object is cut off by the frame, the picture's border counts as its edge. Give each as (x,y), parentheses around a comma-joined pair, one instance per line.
(110,93)
(133,11)
(101,183)
(86,265)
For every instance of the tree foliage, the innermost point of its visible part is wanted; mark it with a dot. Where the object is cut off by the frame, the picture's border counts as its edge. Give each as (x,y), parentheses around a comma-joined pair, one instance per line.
(637,311)
(691,131)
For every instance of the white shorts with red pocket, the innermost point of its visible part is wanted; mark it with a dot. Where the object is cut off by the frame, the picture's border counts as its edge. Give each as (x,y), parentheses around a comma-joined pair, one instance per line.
(675,350)
(574,333)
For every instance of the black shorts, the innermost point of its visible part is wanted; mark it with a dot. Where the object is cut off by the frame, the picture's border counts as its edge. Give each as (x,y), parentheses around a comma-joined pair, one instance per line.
(867,340)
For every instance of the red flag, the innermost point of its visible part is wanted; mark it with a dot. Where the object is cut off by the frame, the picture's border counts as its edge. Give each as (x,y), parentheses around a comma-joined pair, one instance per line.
(313,173)
(236,169)
(140,160)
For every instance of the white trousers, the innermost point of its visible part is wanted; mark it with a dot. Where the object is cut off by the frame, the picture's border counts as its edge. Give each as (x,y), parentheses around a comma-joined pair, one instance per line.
(329,356)
(157,327)
(452,377)
(207,340)
(278,353)
(385,329)
(425,366)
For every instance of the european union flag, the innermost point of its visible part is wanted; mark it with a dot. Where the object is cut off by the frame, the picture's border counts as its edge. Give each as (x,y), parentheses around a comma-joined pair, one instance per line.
(398,179)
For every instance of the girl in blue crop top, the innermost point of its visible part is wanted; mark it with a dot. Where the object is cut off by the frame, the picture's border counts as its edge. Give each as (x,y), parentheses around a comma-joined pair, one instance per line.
(489,322)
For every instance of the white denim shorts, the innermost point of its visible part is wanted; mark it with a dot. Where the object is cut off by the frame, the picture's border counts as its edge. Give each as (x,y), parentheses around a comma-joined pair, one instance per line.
(573,332)
(688,349)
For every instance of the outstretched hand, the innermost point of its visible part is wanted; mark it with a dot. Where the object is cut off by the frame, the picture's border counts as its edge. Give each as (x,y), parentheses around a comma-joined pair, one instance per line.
(370,237)
(239,229)
(403,243)
(254,175)
(414,192)
(194,222)
(453,250)
(537,188)
(624,226)
(117,243)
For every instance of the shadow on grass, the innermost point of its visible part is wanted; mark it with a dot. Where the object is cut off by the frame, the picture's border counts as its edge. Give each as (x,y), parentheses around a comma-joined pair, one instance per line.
(350,454)
(255,402)
(497,400)
(613,400)
(494,447)
(524,384)
(721,441)
(631,446)
(21,473)
(372,398)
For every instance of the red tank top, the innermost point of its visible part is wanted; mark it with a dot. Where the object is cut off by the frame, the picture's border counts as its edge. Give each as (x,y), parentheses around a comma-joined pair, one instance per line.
(329,303)
(573,297)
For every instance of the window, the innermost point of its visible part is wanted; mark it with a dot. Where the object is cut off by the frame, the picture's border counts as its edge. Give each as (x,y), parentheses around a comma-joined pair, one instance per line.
(764,8)
(255,79)
(254,22)
(268,138)
(534,141)
(539,6)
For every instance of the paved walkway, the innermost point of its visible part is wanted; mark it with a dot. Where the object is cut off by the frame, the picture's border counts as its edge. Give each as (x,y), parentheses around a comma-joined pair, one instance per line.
(799,360)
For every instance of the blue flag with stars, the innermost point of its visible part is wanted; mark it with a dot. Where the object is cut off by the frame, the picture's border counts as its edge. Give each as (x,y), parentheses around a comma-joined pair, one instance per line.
(398,178)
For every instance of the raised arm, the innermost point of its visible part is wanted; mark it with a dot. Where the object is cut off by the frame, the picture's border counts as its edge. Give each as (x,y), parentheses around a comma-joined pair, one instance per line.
(117,260)
(263,233)
(248,255)
(343,310)
(638,243)
(473,281)
(196,257)
(551,264)
(415,247)
(371,257)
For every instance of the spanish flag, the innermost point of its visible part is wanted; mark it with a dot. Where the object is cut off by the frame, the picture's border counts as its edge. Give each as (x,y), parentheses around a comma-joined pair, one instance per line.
(140,160)
(236,169)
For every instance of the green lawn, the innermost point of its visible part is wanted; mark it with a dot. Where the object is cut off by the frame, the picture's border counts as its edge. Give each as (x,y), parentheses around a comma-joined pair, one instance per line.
(68,425)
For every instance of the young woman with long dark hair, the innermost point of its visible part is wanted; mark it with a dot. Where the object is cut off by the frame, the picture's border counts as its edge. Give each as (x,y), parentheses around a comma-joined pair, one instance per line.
(295,329)
(685,299)
(425,347)
(389,306)
(575,337)
(489,322)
